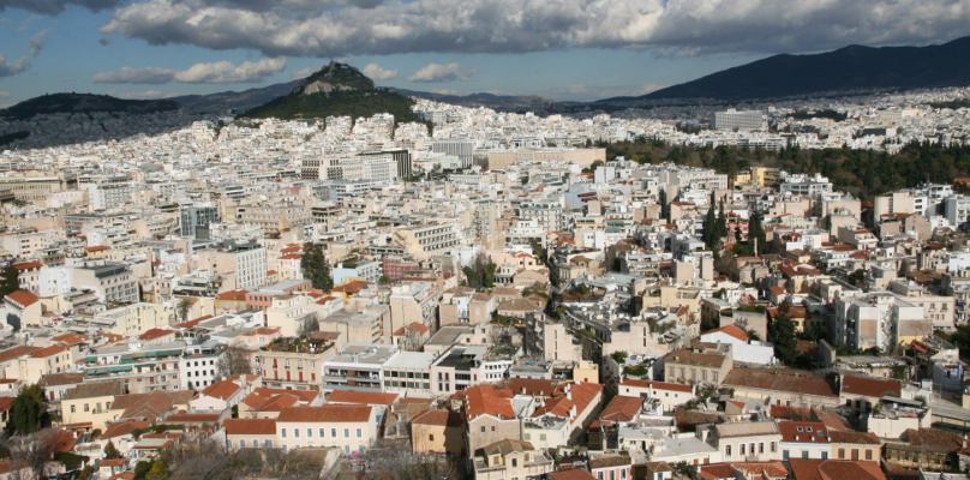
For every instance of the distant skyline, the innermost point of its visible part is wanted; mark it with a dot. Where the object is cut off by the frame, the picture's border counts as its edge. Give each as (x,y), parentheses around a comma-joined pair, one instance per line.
(563,50)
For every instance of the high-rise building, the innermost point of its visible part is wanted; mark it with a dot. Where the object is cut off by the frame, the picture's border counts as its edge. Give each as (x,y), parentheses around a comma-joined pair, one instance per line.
(744,120)
(463,149)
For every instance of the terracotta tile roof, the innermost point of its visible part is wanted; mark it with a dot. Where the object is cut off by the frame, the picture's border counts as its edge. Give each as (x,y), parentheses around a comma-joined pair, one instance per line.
(326,413)
(124,428)
(935,438)
(6,403)
(223,390)
(28,265)
(264,399)
(60,379)
(155,333)
(362,398)
(113,462)
(686,356)
(250,426)
(70,339)
(803,432)
(572,474)
(854,384)
(16,352)
(438,416)
(734,331)
(674,387)
(96,248)
(812,469)
(48,351)
(488,400)
(22,298)
(233,295)
(621,409)
(780,379)
(532,386)
(92,390)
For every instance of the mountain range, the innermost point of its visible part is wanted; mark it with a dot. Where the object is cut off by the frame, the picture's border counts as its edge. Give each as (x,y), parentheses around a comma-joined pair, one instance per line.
(339,89)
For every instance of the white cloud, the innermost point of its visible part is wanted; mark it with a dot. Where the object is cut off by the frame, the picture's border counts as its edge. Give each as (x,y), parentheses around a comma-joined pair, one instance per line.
(214,72)
(331,28)
(440,73)
(23,63)
(226,72)
(377,72)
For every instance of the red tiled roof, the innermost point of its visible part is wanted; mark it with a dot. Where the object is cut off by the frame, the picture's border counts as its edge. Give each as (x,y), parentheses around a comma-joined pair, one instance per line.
(488,400)
(572,474)
(813,469)
(250,426)
(734,331)
(124,428)
(16,352)
(870,386)
(223,390)
(621,409)
(362,398)
(23,298)
(438,416)
(70,339)
(28,265)
(155,333)
(233,295)
(781,379)
(326,413)
(48,351)
(803,432)
(533,386)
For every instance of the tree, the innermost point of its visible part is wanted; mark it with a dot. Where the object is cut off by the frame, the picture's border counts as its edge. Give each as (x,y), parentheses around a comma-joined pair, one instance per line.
(481,273)
(9,280)
(238,361)
(709,234)
(756,233)
(110,451)
(28,413)
(158,471)
(33,451)
(782,335)
(315,266)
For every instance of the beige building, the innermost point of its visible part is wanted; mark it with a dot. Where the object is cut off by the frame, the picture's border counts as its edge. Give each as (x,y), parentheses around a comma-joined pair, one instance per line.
(136,319)
(351,428)
(748,441)
(89,404)
(439,431)
(511,459)
(703,363)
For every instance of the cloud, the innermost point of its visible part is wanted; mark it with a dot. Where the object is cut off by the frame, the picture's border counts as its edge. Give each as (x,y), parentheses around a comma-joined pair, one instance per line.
(440,73)
(149,75)
(214,72)
(23,63)
(52,7)
(377,72)
(331,28)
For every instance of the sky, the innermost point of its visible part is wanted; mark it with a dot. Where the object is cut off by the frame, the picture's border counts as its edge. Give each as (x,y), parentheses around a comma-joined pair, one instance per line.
(558,49)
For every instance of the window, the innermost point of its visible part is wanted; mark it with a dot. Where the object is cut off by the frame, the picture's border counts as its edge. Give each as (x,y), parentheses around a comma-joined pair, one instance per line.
(727,450)
(773,446)
(761,447)
(431,437)
(742,449)
(360,433)
(868,454)
(483,428)
(515,462)
(283,433)
(825,455)
(784,455)
(841,454)
(333,432)
(346,433)
(296,433)
(309,433)
(322,433)
(804,453)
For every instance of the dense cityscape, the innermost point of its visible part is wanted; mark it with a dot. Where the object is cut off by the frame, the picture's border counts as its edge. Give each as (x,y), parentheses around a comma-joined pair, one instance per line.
(327,278)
